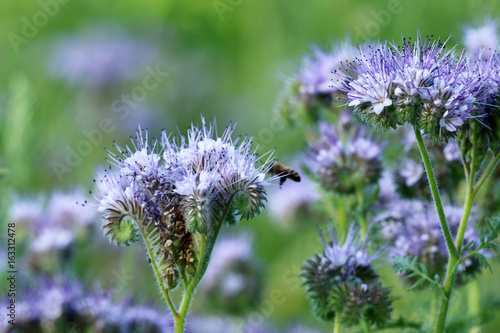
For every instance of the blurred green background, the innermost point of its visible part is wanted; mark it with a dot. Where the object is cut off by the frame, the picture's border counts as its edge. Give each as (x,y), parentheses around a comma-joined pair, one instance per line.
(226,59)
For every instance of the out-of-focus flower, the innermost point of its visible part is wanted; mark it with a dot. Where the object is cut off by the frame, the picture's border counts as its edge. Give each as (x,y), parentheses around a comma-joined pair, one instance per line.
(316,73)
(481,41)
(54,226)
(412,172)
(347,160)
(286,202)
(101,56)
(451,151)
(53,303)
(232,282)
(412,228)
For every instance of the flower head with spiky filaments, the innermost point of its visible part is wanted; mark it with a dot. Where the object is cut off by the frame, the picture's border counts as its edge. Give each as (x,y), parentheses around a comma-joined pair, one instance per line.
(176,188)
(331,276)
(347,159)
(419,83)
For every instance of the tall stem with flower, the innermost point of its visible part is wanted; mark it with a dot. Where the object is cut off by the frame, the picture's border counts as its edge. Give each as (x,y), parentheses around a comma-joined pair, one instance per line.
(425,85)
(176,195)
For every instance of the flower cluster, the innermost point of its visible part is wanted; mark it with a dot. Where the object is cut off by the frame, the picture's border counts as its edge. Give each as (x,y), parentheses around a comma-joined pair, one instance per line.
(341,281)
(347,159)
(52,225)
(420,83)
(411,229)
(315,76)
(174,190)
(69,306)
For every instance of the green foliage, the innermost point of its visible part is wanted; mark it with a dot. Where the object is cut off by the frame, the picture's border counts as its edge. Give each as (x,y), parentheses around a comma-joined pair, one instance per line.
(413,269)
(487,237)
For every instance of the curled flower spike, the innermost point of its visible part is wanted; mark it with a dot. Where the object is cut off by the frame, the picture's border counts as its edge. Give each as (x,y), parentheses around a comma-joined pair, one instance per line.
(336,275)
(176,193)
(421,83)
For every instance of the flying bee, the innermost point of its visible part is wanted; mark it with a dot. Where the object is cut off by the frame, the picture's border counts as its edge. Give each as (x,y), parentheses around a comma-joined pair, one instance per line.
(285,173)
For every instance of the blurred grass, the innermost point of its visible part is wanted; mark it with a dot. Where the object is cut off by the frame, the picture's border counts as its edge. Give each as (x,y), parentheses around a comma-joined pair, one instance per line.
(228,68)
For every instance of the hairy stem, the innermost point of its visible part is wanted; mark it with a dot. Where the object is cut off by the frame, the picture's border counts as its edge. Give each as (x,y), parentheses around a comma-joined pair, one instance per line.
(193,282)
(361,205)
(156,271)
(336,325)
(435,195)
(451,271)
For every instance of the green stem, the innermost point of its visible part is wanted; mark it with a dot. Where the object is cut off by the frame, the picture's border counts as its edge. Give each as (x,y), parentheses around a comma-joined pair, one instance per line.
(365,326)
(451,271)
(488,172)
(336,325)
(435,195)
(364,223)
(157,272)
(435,307)
(474,304)
(189,288)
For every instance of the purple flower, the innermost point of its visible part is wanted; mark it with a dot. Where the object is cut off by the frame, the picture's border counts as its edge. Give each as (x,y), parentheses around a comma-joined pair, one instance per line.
(316,75)
(55,226)
(411,172)
(346,160)
(99,57)
(420,83)
(451,151)
(412,228)
(480,42)
(174,188)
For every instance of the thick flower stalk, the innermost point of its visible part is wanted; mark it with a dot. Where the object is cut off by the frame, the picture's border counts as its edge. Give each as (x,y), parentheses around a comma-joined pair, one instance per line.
(176,193)
(342,285)
(425,85)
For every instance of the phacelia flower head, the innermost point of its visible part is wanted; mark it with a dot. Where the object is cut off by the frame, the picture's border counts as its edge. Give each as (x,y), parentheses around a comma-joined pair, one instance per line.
(420,83)
(347,160)
(175,187)
(340,264)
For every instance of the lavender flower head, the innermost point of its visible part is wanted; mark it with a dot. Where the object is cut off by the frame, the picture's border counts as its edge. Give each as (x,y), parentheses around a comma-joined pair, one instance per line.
(481,41)
(347,160)
(341,281)
(420,83)
(174,189)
